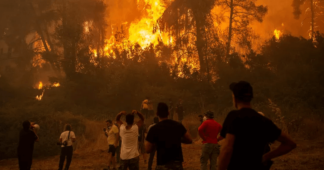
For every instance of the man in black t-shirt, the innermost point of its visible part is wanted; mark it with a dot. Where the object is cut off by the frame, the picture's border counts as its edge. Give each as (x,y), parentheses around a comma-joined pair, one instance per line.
(167,136)
(27,138)
(246,134)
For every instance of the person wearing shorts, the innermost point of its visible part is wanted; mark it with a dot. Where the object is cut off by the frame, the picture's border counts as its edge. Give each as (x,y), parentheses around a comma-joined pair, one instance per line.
(112,139)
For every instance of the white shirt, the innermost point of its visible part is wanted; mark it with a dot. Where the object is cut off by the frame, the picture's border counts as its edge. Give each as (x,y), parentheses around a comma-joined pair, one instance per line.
(64,137)
(129,146)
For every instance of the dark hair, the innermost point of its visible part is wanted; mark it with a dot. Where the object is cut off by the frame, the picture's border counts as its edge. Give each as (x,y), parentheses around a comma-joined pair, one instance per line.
(162,110)
(26,125)
(209,114)
(156,120)
(242,91)
(130,119)
(67,127)
(109,121)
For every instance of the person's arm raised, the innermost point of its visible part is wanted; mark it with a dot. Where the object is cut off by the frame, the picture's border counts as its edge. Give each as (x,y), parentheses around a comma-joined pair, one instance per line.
(285,147)
(37,138)
(119,115)
(226,152)
(140,115)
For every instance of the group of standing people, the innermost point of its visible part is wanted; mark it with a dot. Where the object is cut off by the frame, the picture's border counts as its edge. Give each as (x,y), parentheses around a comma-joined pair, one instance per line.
(164,137)
(244,134)
(28,136)
(148,111)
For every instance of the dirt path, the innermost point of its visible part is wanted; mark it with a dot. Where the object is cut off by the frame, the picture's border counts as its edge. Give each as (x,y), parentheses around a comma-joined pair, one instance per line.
(307,156)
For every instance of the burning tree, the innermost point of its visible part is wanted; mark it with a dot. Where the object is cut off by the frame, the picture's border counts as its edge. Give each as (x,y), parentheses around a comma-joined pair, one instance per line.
(316,10)
(241,13)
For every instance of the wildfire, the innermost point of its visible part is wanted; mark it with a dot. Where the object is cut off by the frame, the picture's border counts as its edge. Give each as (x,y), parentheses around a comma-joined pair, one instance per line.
(39,97)
(277,34)
(141,32)
(40,85)
(56,85)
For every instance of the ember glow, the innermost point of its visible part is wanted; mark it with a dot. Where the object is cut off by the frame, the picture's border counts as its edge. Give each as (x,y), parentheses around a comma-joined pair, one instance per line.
(40,85)
(277,34)
(56,85)
(39,97)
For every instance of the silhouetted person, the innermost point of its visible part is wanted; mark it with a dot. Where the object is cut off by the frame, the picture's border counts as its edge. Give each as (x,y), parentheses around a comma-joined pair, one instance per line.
(152,153)
(112,134)
(171,109)
(141,137)
(201,119)
(145,107)
(167,136)
(67,138)
(246,133)
(27,138)
(129,135)
(118,147)
(150,108)
(208,131)
(180,111)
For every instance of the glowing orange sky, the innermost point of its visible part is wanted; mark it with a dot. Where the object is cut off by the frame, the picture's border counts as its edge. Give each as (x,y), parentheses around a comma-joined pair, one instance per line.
(280,12)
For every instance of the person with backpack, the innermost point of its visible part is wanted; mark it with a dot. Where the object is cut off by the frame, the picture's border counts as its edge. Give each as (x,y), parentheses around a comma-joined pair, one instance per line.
(66,140)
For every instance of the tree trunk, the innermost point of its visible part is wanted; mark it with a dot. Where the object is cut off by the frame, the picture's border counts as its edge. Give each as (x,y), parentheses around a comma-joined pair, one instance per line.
(313,16)
(200,41)
(38,27)
(228,48)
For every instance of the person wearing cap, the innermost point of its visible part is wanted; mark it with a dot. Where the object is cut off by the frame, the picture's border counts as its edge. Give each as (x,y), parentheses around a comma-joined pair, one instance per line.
(209,131)
(247,132)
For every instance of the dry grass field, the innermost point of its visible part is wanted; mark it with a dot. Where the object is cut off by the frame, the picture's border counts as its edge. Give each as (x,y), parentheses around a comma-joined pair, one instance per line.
(308,155)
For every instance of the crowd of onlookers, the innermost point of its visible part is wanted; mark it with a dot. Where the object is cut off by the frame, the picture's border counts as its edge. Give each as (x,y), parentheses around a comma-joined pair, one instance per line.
(245,134)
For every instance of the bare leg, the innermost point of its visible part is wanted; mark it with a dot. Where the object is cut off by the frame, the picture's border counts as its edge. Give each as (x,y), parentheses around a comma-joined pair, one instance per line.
(113,162)
(109,159)
(144,157)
